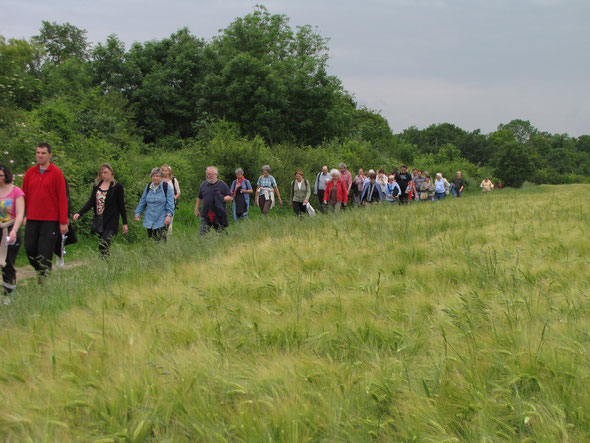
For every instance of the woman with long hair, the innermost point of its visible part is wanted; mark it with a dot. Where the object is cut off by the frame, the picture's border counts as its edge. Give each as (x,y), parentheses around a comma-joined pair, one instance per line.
(173,184)
(107,198)
(12,211)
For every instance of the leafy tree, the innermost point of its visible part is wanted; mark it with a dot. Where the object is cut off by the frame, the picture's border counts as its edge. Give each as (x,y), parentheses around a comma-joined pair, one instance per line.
(19,73)
(109,66)
(430,140)
(512,161)
(285,92)
(476,148)
(583,143)
(163,83)
(522,130)
(70,78)
(414,136)
(62,42)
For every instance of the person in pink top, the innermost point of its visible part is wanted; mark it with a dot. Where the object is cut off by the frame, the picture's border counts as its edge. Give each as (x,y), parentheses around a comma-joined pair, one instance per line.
(12,211)
(346,177)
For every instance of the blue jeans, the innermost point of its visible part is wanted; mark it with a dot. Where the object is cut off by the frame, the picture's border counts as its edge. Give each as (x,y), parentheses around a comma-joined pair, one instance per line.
(439,195)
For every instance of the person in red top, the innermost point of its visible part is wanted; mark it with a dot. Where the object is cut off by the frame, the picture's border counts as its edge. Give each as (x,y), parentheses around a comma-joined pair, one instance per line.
(336,193)
(46,207)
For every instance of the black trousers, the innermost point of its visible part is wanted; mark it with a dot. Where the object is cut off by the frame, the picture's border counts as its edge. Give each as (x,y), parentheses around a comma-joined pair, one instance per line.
(104,241)
(40,239)
(158,233)
(299,208)
(8,271)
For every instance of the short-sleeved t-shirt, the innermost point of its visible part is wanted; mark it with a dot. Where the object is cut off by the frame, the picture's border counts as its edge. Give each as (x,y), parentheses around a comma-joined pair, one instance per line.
(8,204)
(207,193)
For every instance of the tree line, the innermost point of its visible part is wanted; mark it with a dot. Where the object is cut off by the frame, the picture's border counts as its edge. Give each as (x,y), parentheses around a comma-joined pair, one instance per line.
(257,92)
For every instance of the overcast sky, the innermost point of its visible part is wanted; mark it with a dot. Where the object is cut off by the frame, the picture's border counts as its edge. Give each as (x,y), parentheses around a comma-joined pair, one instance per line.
(473,63)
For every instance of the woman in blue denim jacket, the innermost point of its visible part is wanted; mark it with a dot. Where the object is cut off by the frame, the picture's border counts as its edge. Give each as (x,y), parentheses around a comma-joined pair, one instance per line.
(158,204)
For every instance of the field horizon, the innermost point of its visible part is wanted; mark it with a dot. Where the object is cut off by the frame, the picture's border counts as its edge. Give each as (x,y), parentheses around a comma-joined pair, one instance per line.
(461,320)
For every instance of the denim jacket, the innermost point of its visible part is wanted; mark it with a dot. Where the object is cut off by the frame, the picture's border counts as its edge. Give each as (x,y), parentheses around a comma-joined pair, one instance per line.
(156,206)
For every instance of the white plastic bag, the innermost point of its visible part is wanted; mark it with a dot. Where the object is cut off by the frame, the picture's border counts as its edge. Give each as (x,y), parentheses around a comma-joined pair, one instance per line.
(310,210)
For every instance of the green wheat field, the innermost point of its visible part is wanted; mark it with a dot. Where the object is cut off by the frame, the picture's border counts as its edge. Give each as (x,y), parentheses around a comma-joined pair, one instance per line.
(459,320)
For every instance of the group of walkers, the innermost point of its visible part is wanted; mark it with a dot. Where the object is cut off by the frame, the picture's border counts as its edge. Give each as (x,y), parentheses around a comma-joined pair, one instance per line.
(45,201)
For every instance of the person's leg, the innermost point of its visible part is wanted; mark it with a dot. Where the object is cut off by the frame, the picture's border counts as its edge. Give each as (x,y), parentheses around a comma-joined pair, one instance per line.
(163,234)
(266,206)
(31,239)
(322,207)
(233,211)
(204,225)
(245,214)
(337,207)
(49,235)
(8,271)
(150,233)
(104,242)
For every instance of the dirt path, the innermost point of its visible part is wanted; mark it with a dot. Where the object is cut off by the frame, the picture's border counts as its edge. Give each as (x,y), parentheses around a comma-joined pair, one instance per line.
(23,272)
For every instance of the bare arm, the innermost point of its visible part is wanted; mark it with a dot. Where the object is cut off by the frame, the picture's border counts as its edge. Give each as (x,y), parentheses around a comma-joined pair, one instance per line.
(278,195)
(197,206)
(18,221)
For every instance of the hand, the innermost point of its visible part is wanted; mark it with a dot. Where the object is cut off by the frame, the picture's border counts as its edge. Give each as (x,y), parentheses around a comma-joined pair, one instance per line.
(137,217)
(280,202)
(63,229)
(197,213)
(12,236)
(167,220)
(325,202)
(305,202)
(125,229)
(76,216)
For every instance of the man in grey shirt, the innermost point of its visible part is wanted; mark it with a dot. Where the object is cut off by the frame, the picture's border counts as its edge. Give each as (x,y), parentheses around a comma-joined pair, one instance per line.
(320,186)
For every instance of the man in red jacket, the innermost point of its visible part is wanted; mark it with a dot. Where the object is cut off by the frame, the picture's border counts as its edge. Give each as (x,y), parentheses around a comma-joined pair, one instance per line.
(46,209)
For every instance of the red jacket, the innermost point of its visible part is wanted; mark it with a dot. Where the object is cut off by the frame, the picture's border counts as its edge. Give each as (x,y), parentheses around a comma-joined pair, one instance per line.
(45,195)
(341,191)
